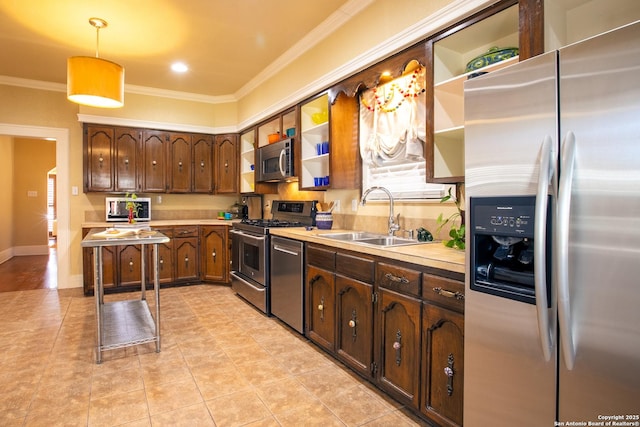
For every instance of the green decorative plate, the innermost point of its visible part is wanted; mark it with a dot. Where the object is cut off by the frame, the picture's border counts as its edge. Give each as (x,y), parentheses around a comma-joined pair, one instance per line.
(495,54)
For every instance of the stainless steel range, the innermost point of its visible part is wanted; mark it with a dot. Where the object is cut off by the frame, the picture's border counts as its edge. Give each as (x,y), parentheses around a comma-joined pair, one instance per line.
(250,275)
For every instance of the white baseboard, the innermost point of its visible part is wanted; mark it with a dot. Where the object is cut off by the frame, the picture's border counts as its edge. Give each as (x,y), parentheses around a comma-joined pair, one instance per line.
(6,255)
(31,250)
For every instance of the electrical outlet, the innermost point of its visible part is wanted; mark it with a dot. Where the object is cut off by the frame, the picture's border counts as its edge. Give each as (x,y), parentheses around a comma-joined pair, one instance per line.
(354,205)
(336,206)
(159,199)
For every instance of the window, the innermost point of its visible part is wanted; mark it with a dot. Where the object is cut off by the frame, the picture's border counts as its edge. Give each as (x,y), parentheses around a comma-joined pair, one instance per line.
(392,135)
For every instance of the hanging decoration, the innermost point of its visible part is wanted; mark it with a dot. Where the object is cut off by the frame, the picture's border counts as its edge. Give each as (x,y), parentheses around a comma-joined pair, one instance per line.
(389,97)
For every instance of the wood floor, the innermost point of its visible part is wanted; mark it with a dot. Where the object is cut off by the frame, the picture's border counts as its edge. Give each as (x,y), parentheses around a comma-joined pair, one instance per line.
(25,273)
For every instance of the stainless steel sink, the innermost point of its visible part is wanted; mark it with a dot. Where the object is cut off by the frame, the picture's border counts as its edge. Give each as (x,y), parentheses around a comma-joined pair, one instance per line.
(370,239)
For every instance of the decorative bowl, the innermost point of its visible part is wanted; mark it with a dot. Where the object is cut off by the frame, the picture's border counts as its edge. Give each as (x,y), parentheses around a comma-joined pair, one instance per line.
(291,132)
(321,117)
(273,137)
(495,54)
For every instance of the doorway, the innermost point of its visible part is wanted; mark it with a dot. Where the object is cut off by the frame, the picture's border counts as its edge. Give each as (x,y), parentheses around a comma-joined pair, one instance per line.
(61,135)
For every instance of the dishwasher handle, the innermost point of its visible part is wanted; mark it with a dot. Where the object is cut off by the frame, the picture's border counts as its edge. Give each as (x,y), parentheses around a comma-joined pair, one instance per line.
(285,250)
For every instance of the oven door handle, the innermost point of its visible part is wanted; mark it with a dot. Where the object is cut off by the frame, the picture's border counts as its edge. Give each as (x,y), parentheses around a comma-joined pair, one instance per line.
(248,236)
(283,153)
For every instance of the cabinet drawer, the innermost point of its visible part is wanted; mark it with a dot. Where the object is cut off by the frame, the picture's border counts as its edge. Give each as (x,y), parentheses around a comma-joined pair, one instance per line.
(321,257)
(167,231)
(404,280)
(185,232)
(442,291)
(355,267)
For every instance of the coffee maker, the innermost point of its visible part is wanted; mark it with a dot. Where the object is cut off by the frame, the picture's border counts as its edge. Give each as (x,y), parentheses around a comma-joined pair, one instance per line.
(251,207)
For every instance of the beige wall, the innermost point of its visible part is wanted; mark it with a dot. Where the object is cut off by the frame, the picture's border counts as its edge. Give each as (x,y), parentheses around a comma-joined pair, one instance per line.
(6,196)
(50,108)
(33,159)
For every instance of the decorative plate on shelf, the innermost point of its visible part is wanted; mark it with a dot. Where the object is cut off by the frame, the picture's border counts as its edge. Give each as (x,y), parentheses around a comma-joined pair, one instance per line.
(495,54)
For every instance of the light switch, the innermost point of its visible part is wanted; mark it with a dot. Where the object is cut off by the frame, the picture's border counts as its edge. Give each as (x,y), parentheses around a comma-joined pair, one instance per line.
(74,190)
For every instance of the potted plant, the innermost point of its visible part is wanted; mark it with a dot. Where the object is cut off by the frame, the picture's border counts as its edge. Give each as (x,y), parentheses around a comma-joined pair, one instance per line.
(456,219)
(132,206)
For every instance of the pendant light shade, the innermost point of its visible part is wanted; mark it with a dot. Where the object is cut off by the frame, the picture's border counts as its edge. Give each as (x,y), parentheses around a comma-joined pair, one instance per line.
(95,82)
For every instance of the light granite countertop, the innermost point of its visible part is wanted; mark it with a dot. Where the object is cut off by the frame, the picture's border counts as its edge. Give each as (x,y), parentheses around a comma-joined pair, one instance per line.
(432,254)
(163,223)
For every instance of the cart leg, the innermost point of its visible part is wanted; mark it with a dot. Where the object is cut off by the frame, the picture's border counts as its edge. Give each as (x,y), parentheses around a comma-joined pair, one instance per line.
(156,289)
(143,282)
(97,292)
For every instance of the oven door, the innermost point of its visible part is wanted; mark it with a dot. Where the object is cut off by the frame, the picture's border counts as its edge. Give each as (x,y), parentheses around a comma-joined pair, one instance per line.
(249,277)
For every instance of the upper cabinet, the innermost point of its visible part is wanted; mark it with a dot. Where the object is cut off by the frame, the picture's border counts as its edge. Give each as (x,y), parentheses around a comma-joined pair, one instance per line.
(329,155)
(202,163)
(314,143)
(277,128)
(485,43)
(247,161)
(226,160)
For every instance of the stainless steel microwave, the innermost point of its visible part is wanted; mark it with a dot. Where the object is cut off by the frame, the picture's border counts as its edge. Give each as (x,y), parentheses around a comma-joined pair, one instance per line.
(117,211)
(274,162)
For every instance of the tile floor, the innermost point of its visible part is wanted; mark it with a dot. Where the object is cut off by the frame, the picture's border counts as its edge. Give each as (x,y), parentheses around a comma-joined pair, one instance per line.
(222,364)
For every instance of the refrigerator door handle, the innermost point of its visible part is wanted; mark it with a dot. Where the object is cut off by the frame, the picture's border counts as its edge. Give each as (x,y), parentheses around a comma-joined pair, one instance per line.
(545,174)
(561,249)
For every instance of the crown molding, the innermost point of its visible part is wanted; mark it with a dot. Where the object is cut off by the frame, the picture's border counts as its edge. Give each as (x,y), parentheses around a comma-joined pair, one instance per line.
(146,124)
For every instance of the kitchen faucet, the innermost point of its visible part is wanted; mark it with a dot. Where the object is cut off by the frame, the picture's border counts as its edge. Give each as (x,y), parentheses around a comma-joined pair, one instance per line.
(393,225)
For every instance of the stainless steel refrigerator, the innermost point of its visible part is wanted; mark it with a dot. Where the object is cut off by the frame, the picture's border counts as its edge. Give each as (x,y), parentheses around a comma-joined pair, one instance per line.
(552,306)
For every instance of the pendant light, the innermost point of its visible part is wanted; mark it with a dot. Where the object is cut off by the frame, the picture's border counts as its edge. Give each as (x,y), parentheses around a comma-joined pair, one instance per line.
(95,82)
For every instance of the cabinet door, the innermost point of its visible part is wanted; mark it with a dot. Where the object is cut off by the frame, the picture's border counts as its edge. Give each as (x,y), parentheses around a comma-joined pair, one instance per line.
(321,308)
(443,365)
(129,260)
(202,164)
(354,319)
(127,147)
(215,264)
(226,148)
(186,250)
(179,163)
(345,168)
(98,154)
(400,323)
(154,161)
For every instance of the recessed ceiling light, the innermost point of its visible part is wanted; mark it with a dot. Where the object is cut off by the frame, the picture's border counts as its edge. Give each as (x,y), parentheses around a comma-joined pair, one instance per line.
(179,67)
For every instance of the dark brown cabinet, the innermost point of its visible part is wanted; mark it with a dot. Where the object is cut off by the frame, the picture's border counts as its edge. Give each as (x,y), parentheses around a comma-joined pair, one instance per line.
(443,350)
(202,163)
(354,320)
(226,161)
(127,149)
(154,161)
(214,254)
(129,261)
(443,365)
(98,158)
(186,252)
(180,163)
(400,325)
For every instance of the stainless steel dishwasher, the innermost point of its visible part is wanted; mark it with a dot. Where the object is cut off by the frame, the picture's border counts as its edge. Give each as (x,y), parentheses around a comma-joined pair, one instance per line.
(287,281)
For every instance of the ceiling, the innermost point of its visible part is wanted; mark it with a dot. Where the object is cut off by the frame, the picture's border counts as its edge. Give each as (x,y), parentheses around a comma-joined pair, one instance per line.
(227,44)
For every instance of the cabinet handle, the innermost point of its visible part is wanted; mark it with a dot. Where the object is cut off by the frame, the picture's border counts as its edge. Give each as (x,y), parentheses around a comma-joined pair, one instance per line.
(449,372)
(154,163)
(130,265)
(161,262)
(352,324)
(397,346)
(202,164)
(214,255)
(321,308)
(180,166)
(226,164)
(448,294)
(186,260)
(126,161)
(396,279)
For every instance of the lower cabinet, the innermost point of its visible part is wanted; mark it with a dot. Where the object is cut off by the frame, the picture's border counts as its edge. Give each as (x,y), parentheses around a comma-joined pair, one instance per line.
(399,325)
(186,259)
(215,251)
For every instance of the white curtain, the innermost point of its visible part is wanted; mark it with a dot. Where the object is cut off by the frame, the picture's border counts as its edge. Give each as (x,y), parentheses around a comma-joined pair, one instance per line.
(392,121)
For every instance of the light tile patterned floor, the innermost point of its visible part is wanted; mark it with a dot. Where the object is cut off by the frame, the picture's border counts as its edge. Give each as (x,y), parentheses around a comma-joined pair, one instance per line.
(222,364)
